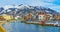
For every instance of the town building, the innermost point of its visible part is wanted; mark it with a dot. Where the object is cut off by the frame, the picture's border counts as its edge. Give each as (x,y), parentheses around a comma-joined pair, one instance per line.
(7,17)
(28,17)
(50,17)
(2,18)
(42,17)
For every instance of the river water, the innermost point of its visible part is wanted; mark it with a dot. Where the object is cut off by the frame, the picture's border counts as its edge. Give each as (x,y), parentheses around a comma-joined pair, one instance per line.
(22,27)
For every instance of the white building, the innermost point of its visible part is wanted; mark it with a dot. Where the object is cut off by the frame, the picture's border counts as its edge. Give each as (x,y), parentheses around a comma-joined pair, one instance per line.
(41,17)
(17,17)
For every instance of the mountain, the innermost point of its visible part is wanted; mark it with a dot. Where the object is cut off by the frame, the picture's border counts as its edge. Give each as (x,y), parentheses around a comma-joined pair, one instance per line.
(24,9)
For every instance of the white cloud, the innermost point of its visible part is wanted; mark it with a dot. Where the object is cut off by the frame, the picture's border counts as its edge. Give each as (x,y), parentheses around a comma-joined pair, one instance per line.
(8,6)
(47,3)
(49,0)
(42,2)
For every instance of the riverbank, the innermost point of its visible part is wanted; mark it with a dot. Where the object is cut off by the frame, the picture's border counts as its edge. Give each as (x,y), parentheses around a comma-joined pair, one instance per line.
(23,27)
(27,22)
(42,24)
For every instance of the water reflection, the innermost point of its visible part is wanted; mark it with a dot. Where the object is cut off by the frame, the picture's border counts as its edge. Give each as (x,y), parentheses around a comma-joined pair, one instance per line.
(22,27)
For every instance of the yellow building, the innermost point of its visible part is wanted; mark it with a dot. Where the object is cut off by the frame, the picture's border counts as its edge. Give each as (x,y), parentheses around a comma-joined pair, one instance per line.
(7,17)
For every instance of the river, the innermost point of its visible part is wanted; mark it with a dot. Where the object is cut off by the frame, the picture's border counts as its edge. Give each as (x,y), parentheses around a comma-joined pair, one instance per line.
(22,27)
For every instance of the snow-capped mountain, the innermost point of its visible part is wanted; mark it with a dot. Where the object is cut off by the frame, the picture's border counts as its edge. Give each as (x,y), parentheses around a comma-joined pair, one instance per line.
(24,9)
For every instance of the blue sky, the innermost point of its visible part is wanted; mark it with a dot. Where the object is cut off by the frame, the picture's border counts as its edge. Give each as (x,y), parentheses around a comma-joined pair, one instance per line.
(53,4)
